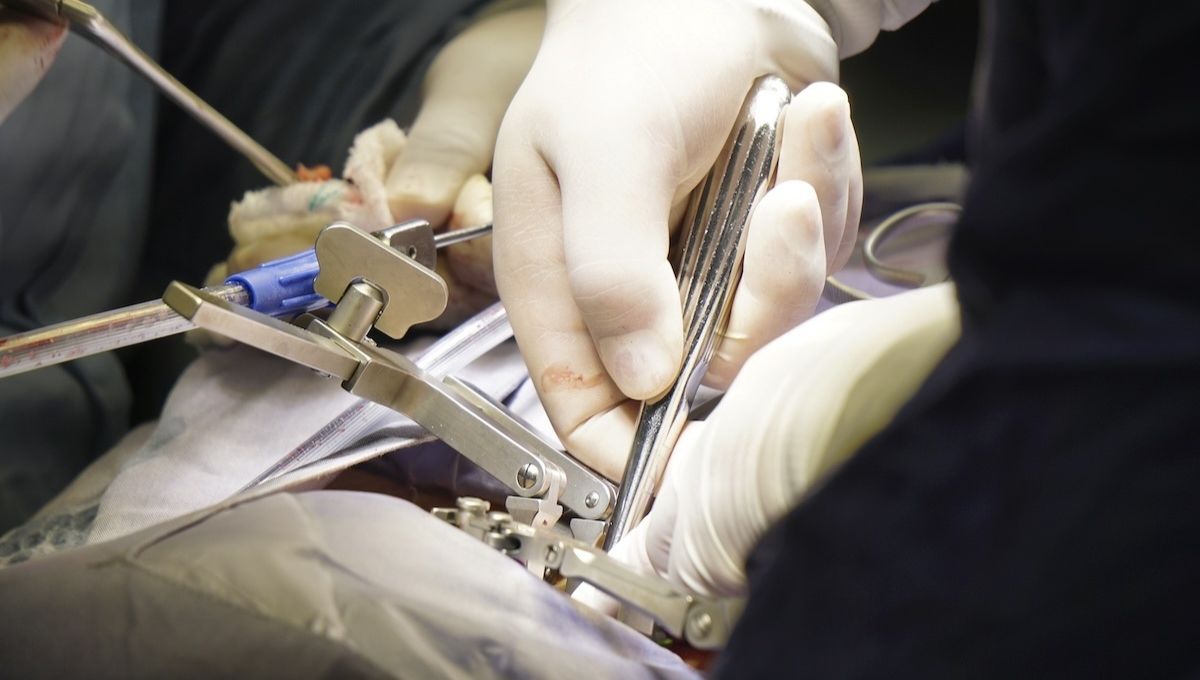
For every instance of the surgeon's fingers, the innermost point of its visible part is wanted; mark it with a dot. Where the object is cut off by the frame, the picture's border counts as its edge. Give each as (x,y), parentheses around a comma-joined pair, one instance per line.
(802,230)
(820,148)
(782,278)
(442,152)
(853,206)
(617,192)
(466,92)
(531,276)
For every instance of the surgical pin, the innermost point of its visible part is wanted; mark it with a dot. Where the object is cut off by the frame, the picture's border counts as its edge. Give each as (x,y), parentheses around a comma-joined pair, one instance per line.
(152,320)
(89,23)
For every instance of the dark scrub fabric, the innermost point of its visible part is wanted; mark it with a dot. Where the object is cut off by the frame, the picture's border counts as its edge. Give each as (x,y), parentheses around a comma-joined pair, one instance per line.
(74,189)
(94,157)
(1034,511)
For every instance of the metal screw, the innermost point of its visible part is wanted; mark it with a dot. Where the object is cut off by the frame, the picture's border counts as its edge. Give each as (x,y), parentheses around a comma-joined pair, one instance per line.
(552,556)
(471,505)
(528,475)
(592,499)
(702,624)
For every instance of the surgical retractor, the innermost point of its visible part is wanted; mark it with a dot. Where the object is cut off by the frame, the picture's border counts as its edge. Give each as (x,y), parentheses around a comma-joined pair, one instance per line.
(281,287)
(709,270)
(89,23)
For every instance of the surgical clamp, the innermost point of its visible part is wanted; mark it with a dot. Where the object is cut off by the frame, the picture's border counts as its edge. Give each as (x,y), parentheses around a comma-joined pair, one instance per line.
(708,273)
(89,23)
(703,622)
(375,286)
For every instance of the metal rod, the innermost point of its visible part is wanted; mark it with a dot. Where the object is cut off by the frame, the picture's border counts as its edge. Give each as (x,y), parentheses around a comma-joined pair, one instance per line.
(98,333)
(900,276)
(107,36)
(449,238)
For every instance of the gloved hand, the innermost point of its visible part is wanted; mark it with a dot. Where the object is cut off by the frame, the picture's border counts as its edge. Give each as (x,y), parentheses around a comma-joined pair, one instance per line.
(624,111)
(799,408)
(28,46)
(434,172)
(466,91)
(279,221)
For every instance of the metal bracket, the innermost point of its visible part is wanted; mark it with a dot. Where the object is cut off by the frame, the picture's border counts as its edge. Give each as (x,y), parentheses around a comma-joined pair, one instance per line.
(412,292)
(413,238)
(484,431)
(705,623)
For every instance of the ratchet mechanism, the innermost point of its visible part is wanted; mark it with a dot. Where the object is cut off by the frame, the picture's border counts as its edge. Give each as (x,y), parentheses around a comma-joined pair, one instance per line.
(704,623)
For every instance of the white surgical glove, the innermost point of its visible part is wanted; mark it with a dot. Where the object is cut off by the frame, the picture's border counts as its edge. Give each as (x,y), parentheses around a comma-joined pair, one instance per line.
(799,408)
(466,91)
(624,111)
(27,49)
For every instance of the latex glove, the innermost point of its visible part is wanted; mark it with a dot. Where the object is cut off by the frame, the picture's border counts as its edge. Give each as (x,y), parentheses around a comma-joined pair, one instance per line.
(466,91)
(28,46)
(624,111)
(279,221)
(800,407)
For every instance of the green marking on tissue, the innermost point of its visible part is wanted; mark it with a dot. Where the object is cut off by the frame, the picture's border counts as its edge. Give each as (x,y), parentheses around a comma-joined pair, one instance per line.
(323,195)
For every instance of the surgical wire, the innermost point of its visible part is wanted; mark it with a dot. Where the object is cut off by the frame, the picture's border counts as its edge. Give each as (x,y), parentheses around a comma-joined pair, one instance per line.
(839,292)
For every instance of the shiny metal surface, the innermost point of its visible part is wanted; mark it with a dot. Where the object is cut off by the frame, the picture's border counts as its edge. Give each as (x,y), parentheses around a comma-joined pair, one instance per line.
(413,293)
(259,330)
(98,333)
(484,432)
(449,238)
(451,353)
(454,350)
(705,623)
(413,238)
(898,275)
(152,320)
(584,491)
(708,273)
(89,23)
(357,311)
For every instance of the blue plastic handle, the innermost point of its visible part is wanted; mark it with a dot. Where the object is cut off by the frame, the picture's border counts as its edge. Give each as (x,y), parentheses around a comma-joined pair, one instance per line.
(282,287)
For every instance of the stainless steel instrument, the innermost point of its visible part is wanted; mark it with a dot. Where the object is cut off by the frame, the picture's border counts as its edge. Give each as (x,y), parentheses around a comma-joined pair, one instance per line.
(151,320)
(373,285)
(704,623)
(708,273)
(89,23)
